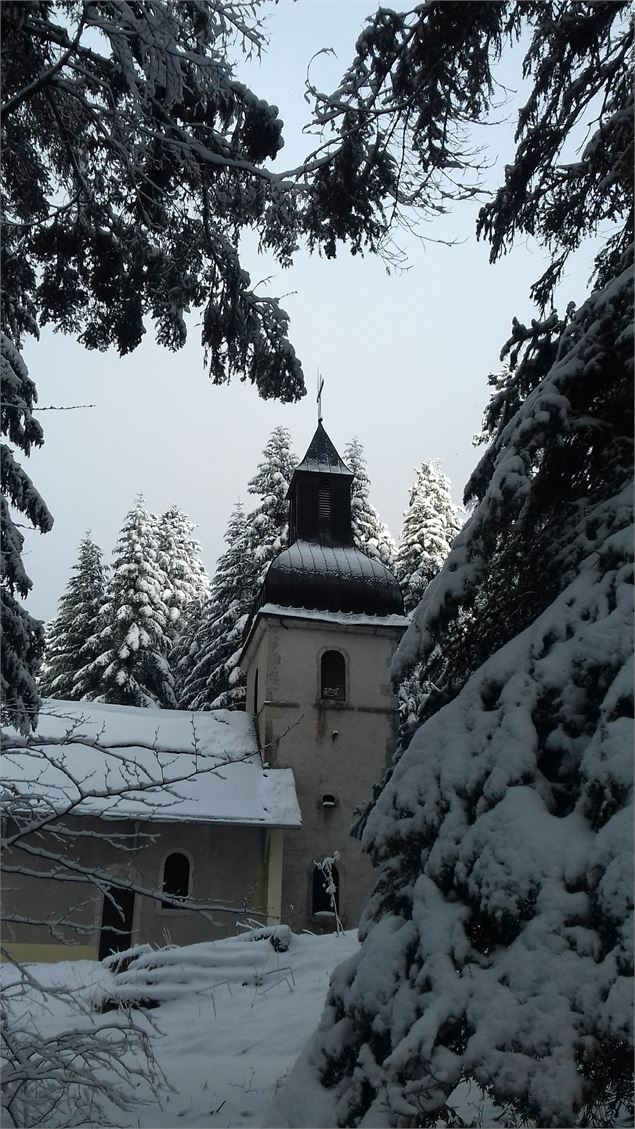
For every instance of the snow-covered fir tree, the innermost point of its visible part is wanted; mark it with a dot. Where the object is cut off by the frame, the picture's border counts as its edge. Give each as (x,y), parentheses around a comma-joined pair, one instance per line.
(369,532)
(205,658)
(430,524)
(185,651)
(180,559)
(22,635)
(72,637)
(269,520)
(503,835)
(133,667)
(497,947)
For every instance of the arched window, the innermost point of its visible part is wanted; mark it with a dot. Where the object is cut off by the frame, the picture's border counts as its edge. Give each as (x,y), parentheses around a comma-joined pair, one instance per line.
(256,693)
(333,675)
(322,897)
(176,878)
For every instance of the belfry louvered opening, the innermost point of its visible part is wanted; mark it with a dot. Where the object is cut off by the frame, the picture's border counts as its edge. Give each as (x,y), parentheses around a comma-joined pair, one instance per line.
(324,510)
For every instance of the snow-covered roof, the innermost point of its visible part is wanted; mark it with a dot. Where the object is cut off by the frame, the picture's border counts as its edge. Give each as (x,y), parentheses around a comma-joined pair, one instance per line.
(121,762)
(352,619)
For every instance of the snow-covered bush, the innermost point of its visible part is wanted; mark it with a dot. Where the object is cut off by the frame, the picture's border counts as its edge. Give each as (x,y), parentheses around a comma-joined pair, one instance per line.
(77,1072)
(80,1074)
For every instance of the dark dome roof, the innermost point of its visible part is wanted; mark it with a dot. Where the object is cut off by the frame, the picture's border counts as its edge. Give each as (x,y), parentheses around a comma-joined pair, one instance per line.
(337,578)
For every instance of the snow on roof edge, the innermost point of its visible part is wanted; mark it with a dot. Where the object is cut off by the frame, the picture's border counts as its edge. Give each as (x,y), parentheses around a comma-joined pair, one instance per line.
(345,618)
(147,761)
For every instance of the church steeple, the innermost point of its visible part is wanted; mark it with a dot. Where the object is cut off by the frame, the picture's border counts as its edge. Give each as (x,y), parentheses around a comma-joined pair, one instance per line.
(320,495)
(322,569)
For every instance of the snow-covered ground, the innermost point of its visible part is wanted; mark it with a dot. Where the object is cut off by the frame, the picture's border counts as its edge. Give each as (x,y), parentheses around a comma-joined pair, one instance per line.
(223,1049)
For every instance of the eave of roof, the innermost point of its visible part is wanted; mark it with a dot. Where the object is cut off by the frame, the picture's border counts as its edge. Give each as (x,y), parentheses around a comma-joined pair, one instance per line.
(119,762)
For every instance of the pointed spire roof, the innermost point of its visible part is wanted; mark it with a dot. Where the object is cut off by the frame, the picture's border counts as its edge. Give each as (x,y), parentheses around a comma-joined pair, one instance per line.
(322,458)
(321,569)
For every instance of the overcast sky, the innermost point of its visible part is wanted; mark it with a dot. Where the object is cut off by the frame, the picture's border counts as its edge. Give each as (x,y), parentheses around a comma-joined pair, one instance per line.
(405,356)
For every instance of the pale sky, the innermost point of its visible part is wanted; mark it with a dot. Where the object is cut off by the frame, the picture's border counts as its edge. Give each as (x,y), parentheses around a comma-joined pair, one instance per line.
(404,356)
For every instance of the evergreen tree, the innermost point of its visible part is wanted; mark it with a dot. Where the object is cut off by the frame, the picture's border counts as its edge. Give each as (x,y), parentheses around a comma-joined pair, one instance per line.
(135,161)
(132,667)
(72,644)
(186,650)
(501,916)
(159,157)
(369,532)
(430,524)
(501,919)
(22,635)
(180,559)
(269,521)
(205,659)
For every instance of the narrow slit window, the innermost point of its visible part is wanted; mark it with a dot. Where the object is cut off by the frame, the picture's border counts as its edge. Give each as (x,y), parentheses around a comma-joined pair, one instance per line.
(176,878)
(333,676)
(324,503)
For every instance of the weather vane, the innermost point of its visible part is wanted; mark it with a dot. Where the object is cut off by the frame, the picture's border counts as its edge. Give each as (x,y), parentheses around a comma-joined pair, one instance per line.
(320,381)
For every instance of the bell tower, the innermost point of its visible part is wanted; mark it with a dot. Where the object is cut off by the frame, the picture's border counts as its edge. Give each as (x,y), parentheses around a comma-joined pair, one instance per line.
(317,653)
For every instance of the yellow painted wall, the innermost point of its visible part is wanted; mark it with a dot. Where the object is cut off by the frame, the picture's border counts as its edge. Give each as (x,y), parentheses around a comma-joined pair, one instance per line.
(48,954)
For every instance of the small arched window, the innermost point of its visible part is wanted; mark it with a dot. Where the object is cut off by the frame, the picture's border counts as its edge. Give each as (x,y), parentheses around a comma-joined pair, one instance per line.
(323,894)
(176,878)
(333,675)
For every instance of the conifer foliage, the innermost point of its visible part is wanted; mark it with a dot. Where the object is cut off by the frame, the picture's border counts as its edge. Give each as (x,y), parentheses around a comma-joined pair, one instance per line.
(269,521)
(180,559)
(204,660)
(430,524)
(133,668)
(22,635)
(133,157)
(497,945)
(72,638)
(369,532)
(503,834)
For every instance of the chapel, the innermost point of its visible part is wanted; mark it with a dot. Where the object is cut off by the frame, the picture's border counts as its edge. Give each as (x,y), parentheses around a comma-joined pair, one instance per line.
(166,826)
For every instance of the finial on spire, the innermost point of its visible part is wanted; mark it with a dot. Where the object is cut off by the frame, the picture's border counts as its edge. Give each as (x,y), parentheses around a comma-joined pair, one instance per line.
(320,381)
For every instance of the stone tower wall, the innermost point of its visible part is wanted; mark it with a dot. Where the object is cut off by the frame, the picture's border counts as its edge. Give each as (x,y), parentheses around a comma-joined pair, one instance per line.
(334,748)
